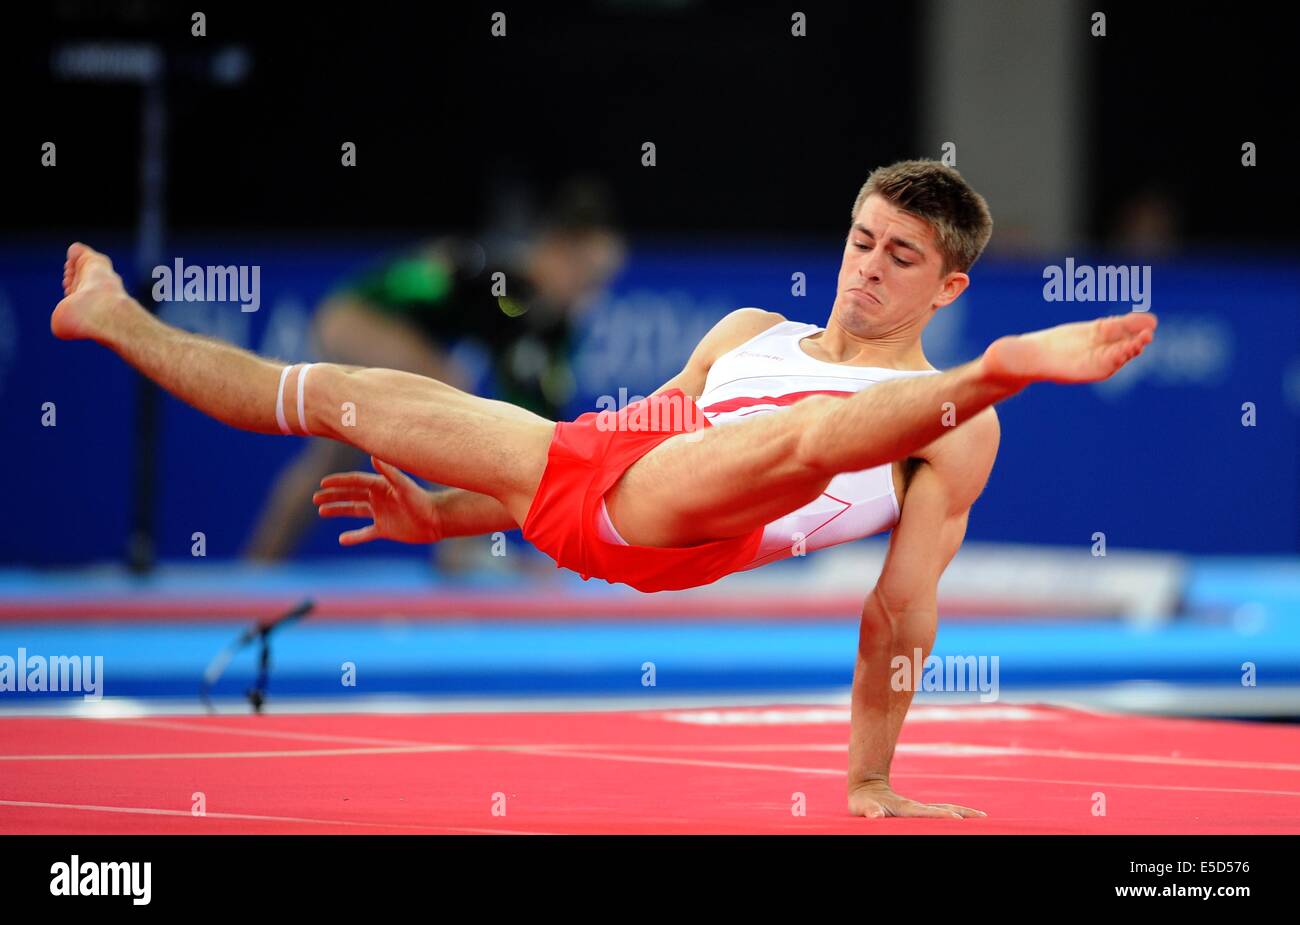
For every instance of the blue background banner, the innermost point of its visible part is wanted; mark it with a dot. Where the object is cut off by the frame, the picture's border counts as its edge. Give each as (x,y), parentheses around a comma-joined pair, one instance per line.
(1156,457)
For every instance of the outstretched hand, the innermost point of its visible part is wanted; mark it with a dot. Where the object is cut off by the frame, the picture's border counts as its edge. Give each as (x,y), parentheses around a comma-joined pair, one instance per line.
(397,506)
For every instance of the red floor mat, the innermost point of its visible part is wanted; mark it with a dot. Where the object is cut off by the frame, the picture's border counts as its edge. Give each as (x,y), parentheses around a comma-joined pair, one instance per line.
(730,770)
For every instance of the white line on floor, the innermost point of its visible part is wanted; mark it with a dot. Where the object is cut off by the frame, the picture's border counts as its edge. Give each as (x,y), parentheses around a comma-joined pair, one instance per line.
(151,811)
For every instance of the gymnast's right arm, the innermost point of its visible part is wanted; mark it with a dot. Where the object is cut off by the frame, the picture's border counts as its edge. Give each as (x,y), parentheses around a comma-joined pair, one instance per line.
(403,511)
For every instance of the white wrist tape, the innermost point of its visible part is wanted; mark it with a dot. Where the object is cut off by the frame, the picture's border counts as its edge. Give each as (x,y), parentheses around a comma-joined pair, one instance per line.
(302,383)
(279,403)
(302,403)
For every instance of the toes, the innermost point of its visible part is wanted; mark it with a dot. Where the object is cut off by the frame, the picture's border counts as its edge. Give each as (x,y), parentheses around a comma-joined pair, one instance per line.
(1138,322)
(77,254)
(1121,327)
(1127,345)
(86,263)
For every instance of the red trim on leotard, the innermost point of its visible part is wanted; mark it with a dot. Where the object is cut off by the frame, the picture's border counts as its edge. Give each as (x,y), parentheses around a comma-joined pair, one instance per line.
(744,401)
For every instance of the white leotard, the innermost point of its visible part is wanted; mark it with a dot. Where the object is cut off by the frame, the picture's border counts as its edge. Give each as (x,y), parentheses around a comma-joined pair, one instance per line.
(768,373)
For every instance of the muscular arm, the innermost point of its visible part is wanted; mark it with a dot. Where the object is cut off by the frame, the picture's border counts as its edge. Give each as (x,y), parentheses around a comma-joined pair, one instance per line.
(468,513)
(901,614)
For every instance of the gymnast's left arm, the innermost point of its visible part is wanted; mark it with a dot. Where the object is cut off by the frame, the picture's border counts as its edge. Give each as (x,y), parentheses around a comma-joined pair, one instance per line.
(900,615)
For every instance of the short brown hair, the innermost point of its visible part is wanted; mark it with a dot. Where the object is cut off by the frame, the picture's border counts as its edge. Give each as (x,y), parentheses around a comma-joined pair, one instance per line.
(936,193)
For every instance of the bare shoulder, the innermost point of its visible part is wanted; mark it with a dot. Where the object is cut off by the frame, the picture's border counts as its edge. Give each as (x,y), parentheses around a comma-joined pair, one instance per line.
(734,328)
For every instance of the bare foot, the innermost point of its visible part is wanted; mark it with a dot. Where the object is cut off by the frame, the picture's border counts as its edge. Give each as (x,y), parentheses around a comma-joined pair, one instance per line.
(91,291)
(1083,351)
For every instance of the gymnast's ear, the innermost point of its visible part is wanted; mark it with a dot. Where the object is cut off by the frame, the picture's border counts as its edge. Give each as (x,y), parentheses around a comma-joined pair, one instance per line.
(954,284)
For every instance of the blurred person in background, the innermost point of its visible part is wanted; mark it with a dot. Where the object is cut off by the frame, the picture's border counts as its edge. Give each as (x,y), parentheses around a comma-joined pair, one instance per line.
(409,311)
(1147,224)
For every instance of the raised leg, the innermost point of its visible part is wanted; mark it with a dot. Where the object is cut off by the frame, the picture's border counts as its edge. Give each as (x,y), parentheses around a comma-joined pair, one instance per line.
(419,424)
(349,332)
(734,478)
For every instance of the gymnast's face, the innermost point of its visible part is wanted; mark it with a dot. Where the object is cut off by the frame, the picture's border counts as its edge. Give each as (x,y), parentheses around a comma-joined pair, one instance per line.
(890,277)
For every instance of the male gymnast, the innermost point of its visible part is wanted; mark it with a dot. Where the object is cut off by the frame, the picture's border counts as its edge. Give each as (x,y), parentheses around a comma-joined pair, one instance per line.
(869,437)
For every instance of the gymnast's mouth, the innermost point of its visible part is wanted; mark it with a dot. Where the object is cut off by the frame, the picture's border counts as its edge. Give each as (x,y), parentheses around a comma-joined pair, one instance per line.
(866,295)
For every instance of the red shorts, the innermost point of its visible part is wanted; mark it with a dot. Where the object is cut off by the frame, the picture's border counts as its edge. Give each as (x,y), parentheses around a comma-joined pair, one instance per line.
(586,458)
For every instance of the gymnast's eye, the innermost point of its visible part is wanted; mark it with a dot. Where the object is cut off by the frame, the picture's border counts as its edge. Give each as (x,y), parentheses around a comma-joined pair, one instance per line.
(864,247)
